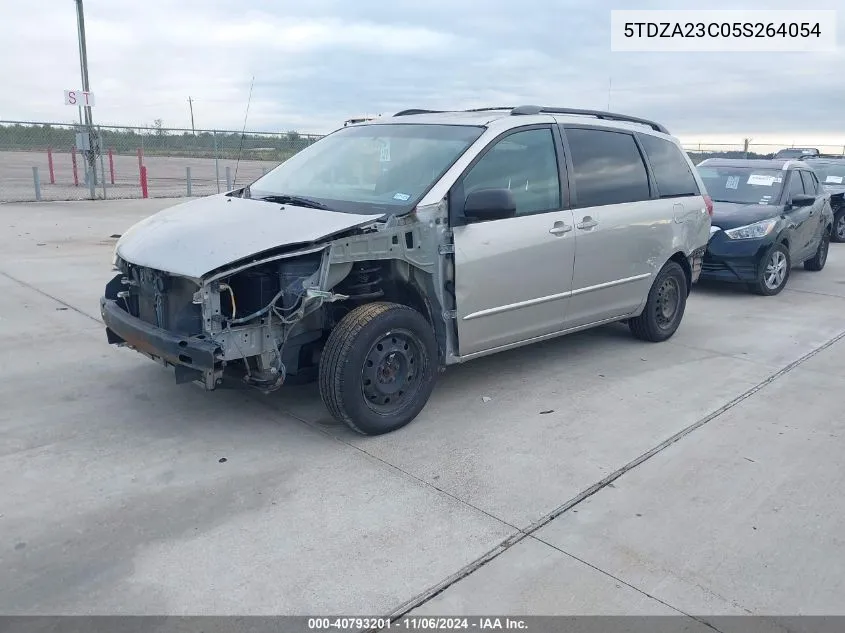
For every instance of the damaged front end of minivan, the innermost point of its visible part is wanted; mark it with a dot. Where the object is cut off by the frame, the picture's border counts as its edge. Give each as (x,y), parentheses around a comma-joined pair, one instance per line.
(264,319)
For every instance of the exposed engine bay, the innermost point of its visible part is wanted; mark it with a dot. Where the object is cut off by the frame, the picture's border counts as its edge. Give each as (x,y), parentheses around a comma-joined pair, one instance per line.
(266,319)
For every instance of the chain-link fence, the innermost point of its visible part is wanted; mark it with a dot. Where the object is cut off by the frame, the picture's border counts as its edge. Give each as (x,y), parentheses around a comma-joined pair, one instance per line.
(701,151)
(55,161)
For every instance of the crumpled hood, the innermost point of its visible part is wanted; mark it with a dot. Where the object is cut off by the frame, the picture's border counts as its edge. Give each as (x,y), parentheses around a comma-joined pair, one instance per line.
(199,236)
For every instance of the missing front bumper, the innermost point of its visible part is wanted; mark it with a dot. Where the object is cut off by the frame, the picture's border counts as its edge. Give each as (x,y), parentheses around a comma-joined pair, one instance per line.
(195,358)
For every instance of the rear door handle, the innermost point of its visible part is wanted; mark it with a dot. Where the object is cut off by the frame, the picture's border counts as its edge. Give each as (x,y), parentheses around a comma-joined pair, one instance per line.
(560,228)
(587,223)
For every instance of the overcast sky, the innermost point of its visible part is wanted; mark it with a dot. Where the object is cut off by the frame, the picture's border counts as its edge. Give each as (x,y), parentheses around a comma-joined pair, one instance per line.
(318,62)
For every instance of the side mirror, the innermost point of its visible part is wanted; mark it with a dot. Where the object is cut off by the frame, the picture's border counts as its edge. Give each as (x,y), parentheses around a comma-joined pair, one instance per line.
(490,204)
(803,200)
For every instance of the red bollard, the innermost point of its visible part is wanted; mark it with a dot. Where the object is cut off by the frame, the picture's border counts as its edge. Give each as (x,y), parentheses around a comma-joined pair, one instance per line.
(75,173)
(144,191)
(111,166)
(50,165)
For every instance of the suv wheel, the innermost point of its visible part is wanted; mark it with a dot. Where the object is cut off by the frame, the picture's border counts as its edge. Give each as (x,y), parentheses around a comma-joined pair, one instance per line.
(839,226)
(773,272)
(820,258)
(377,369)
(665,306)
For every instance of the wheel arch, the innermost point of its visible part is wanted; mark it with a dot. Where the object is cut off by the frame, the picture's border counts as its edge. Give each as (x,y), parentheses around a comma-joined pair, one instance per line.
(683,261)
(404,283)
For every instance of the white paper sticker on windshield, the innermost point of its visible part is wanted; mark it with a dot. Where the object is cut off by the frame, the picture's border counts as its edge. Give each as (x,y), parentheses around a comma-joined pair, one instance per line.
(834,179)
(401,196)
(757,179)
(732,182)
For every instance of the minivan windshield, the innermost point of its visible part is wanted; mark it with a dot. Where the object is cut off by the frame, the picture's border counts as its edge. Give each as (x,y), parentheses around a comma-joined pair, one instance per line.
(829,173)
(742,185)
(375,168)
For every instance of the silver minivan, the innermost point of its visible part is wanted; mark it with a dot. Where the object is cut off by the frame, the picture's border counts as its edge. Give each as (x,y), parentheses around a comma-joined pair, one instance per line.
(390,249)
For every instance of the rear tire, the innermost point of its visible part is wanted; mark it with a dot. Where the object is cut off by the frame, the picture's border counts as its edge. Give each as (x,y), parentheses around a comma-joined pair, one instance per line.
(773,273)
(820,258)
(664,307)
(378,367)
(839,226)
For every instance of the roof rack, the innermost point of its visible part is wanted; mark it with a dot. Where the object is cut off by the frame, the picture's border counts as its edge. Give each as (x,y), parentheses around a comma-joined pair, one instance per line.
(418,111)
(599,114)
(532,109)
(423,111)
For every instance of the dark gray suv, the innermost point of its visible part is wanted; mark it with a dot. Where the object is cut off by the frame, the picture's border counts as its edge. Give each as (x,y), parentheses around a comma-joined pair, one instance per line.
(768,216)
(831,173)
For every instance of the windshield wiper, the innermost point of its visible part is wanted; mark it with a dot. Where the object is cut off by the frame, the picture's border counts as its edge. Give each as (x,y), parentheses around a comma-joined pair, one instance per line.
(295,200)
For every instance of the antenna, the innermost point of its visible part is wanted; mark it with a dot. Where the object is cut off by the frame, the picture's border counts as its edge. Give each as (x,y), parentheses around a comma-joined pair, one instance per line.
(243,131)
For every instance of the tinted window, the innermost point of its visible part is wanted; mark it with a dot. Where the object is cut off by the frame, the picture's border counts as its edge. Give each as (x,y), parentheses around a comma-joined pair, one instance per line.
(608,168)
(796,188)
(524,162)
(829,172)
(673,174)
(809,183)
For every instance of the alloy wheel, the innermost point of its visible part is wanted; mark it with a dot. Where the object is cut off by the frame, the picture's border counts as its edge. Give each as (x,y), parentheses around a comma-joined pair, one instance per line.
(775,272)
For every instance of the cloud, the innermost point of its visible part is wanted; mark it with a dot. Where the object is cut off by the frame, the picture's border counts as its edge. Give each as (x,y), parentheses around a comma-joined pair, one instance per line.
(319,62)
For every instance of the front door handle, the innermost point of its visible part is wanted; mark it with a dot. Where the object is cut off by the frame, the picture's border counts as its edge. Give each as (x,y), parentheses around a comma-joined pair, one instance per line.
(560,228)
(587,223)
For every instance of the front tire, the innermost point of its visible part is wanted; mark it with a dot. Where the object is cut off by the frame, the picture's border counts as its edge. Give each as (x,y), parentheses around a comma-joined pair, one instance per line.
(664,307)
(774,272)
(820,258)
(839,226)
(378,367)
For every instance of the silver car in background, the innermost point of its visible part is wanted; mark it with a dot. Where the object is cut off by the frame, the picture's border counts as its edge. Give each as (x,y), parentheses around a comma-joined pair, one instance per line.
(393,248)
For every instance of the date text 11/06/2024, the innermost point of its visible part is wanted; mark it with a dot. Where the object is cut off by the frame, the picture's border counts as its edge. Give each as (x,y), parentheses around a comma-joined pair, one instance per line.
(417,624)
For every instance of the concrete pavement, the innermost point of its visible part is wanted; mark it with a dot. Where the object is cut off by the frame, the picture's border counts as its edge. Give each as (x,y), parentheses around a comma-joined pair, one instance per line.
(594,474)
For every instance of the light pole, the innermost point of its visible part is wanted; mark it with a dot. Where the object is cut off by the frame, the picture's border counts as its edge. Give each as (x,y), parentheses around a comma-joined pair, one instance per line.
(83,63)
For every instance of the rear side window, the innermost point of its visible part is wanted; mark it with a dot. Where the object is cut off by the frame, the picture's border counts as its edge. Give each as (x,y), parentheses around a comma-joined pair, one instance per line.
(671,171)
(809,183)
(607,166)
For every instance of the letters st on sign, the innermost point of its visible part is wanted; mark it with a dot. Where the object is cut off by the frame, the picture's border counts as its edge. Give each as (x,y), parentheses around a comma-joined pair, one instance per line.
(79,98)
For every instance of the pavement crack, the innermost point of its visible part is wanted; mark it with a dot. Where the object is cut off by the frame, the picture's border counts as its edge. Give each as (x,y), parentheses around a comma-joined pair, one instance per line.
(814,292)
(384,462)
(626,583)
(49,296)
(475,565)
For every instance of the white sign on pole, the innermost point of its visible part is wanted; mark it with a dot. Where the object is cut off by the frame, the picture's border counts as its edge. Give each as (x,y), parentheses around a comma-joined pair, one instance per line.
(79,98)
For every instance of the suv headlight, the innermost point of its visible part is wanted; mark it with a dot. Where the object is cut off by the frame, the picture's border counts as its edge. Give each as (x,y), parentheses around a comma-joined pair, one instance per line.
(752,231)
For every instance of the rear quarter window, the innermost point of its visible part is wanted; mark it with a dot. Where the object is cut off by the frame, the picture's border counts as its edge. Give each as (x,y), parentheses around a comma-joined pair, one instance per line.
(671,170)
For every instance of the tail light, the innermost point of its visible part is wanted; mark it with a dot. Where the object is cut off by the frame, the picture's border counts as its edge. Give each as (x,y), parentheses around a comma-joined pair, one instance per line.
(708,202)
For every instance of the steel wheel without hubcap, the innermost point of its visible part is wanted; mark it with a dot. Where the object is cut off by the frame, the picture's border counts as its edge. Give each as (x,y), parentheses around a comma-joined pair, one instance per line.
(775,272)
(668,301)
(389,375)
(665,305)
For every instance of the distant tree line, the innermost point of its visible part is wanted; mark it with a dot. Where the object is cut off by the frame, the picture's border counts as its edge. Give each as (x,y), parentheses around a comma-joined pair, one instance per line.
(697,156)
(159,141)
